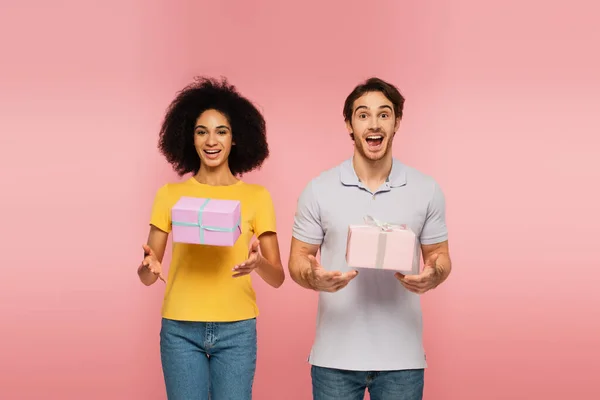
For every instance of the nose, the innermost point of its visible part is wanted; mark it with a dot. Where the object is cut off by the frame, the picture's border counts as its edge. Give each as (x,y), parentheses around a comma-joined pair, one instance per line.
(211,140)
(374,123)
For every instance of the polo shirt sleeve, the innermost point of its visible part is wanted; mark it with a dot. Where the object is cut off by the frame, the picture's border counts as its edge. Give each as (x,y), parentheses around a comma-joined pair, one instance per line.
(435,230)
(307,220)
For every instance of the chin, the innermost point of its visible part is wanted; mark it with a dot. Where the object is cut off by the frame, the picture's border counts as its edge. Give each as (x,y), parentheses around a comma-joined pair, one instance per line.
(213,163)
(374,156)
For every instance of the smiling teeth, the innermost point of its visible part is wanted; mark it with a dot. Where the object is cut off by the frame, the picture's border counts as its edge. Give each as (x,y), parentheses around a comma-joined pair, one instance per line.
(374,137)
(212,151)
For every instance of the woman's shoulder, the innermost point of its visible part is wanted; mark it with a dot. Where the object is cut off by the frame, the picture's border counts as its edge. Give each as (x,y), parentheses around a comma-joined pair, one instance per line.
(255,189)
(173,187)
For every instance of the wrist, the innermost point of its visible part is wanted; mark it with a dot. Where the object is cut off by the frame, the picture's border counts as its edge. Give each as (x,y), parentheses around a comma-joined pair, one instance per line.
(441,273)
(260,262)
(305,274)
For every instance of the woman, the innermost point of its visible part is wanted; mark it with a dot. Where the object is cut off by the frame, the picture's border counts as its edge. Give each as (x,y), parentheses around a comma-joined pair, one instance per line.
(208,333)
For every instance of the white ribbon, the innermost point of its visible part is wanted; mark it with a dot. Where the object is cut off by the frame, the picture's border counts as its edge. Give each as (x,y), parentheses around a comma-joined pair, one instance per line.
(384,226)
(382,240)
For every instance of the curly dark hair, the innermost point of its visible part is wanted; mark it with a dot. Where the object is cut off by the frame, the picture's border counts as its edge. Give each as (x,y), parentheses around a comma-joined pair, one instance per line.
(248,126)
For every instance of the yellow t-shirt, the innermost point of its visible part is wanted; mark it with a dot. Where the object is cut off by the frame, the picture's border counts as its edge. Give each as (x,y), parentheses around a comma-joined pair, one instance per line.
(200,286)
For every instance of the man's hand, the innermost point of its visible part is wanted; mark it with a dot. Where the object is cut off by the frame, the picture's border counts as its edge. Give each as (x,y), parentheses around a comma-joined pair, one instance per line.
(327,281)
(251,263)
(428,279)
(151,262)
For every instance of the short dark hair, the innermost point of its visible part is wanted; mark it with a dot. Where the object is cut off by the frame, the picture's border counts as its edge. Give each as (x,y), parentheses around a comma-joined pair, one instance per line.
(374,85)
(248,127)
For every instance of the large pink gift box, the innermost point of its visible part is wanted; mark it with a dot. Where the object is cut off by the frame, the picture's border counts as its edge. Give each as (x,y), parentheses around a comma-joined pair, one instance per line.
(378,245)
(206,221)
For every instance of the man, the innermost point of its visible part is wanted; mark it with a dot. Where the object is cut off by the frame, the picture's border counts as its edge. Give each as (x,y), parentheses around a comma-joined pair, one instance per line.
(369,327)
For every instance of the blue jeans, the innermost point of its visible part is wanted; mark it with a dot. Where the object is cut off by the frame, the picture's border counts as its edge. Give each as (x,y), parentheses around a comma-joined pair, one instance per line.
(335,384)
(198,357)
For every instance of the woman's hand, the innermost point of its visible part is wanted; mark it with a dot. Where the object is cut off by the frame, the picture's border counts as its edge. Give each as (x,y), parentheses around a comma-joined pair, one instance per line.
(151,263)
(254,258)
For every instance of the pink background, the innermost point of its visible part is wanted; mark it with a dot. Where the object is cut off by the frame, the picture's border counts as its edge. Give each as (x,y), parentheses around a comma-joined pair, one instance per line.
(502,108)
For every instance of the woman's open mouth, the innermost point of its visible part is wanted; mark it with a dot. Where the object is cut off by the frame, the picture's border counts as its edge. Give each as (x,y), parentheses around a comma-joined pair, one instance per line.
(212,154)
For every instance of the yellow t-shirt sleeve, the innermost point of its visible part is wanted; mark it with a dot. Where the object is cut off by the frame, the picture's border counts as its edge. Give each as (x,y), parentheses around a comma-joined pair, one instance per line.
(161,210)
(264,218)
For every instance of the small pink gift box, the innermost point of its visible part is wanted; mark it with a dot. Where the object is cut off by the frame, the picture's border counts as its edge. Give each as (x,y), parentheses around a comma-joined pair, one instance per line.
(377,245)
(206,221)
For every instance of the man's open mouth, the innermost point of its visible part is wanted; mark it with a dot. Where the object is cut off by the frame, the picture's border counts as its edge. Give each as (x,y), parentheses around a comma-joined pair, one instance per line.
(374,140)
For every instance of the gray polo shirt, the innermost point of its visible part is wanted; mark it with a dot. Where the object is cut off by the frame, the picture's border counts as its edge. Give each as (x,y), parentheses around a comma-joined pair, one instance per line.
(374,323)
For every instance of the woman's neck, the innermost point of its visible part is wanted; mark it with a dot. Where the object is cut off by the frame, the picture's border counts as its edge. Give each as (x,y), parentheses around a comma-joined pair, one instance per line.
(220,176)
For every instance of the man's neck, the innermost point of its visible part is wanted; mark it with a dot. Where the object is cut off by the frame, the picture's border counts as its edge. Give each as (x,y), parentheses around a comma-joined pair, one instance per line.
(372,173)
(220,176)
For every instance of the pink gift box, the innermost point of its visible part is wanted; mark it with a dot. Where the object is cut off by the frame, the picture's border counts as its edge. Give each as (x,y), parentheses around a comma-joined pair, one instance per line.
(206,221)
(377,245)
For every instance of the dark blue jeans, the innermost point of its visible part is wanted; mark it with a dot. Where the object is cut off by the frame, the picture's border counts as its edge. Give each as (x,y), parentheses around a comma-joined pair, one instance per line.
(198,357)
(335,384)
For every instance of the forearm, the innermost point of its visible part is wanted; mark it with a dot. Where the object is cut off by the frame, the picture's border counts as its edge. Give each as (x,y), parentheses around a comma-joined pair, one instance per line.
(443,265)
(271,273)
(299,267)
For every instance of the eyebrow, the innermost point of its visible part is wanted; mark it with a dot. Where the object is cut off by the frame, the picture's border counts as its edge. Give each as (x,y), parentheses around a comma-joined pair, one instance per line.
(218,127)
(380,107)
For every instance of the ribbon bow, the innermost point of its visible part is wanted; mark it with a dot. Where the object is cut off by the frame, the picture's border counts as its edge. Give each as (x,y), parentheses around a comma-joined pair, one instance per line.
(384,226)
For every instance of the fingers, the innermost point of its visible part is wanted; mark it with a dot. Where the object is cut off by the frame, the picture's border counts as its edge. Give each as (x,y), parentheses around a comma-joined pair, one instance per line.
(154,267)
(415,283)
(424,278)
(249,263)
(319,272)
(147,261)
(147,250)
(334,281)
(242,269)
(414,289)
(339,286)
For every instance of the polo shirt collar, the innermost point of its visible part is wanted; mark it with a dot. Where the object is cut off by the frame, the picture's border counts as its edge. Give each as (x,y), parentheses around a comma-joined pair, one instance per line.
(396,178)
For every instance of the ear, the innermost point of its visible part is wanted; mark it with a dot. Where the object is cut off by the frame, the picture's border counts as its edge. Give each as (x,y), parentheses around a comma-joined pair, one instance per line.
(350,129)
(397,125)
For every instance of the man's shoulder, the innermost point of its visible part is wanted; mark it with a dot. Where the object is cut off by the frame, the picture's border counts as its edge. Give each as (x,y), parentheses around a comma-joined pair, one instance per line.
(416,176)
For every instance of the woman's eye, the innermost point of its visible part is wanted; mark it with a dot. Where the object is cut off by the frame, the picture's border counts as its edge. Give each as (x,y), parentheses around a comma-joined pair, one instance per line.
(222,132)
(200,132)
